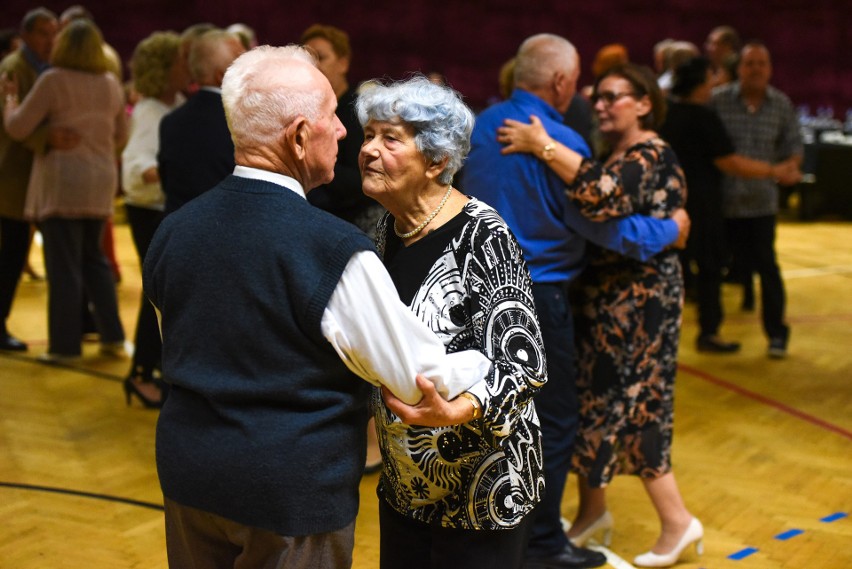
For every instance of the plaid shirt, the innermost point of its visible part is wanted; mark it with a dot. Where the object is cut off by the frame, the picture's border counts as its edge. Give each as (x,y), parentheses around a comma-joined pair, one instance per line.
(770,133)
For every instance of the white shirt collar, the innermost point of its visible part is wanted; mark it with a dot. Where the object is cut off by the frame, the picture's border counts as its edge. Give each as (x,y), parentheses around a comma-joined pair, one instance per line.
(271,177)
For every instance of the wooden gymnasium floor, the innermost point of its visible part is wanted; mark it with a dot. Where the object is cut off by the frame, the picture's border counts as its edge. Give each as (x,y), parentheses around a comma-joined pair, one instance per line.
(763,449)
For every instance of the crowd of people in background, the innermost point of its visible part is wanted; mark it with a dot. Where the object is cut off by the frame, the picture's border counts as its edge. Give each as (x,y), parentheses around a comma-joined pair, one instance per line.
(539,254)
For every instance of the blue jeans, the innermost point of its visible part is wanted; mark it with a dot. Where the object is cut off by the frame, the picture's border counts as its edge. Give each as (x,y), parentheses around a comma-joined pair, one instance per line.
(558,409)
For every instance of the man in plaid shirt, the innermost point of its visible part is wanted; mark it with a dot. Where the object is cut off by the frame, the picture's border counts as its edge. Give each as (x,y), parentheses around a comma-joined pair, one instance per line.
(763,125)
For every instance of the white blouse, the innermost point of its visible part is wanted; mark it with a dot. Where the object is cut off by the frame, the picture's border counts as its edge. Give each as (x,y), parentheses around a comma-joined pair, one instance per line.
(140,154)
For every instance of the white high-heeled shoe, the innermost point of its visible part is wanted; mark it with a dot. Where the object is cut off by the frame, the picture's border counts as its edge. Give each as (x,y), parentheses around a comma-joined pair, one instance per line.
(694,534)
(604,522)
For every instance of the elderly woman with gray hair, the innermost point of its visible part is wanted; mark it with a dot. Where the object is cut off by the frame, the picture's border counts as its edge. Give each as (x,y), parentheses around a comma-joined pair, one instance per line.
(458,495)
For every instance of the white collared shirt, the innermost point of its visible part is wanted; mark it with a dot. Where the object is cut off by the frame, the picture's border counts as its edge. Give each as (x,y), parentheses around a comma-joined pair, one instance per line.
(376,335)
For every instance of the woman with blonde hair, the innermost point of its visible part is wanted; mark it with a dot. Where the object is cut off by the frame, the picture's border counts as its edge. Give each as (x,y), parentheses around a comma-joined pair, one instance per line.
(159,76)
(70,193)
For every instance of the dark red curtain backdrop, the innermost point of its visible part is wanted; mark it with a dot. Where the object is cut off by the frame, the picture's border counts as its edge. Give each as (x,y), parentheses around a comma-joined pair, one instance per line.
(468,40)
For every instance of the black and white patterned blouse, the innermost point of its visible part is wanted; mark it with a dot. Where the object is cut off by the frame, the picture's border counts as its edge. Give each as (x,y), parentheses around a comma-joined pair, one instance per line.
(468,282)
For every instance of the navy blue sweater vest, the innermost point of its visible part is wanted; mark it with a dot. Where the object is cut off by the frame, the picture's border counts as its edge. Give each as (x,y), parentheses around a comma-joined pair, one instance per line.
(264,424)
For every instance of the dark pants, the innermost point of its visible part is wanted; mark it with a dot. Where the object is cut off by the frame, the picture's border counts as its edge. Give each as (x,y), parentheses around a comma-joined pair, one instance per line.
(75,262)
(409,544)
(196,539)
(706,247)
(557,408)
(149,346)
(14,246)
(753,239)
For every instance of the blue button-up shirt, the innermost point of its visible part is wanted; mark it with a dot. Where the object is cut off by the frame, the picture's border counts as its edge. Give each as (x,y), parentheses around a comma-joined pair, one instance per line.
(531,197)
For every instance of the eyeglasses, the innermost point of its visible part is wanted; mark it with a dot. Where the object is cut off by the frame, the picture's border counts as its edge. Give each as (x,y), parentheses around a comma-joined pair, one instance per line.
(609,98)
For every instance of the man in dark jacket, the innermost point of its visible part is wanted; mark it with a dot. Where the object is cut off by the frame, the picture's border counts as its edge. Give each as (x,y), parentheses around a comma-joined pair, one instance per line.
(196,151)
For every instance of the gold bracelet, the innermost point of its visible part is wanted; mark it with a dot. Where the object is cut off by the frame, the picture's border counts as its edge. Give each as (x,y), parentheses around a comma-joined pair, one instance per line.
(477,406)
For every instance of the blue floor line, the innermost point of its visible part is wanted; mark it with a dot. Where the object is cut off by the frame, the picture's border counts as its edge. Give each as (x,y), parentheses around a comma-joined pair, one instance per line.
(743,553)
(784,536)
(789,534)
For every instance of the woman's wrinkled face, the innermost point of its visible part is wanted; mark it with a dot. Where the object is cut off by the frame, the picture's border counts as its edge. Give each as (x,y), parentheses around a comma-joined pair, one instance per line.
(617,107)
(389,160)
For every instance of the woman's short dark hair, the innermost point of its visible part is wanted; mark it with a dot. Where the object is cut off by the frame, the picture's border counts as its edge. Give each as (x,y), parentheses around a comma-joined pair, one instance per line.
(644,83)
(690,75)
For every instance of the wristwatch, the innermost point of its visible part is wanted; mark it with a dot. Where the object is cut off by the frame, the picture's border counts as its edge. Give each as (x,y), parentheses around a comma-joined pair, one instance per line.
(477,407)
(549,151)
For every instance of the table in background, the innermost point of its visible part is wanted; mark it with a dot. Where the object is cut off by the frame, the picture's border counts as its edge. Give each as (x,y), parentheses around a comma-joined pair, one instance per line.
(826,189)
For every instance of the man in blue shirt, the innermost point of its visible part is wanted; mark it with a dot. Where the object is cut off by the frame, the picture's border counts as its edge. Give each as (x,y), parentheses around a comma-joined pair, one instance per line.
(553,234)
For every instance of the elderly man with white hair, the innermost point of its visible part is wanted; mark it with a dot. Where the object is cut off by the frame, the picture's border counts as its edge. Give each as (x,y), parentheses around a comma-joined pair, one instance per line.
(271,311)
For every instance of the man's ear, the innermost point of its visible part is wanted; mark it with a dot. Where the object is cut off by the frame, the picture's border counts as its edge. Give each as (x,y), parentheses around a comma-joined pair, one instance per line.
(560,82)
(296,137)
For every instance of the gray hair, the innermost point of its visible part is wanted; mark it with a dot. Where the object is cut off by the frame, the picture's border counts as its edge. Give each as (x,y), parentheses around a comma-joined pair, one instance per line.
(441,121)
(542,55)
(210,54)
(262,93)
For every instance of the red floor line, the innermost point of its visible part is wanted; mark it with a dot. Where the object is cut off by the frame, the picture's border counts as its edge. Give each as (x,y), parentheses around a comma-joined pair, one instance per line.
(766,401)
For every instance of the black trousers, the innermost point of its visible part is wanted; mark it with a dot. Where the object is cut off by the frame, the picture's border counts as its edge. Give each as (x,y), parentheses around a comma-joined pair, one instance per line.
(148,353)
(408,544)
(14,247)
(753,240)
(707,248)
(75,263)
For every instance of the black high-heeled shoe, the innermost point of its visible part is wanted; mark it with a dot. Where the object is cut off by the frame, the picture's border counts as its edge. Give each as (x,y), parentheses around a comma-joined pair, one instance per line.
(131,388)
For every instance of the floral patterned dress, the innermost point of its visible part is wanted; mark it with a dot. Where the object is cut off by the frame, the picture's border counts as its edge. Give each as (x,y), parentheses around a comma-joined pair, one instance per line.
(628,318)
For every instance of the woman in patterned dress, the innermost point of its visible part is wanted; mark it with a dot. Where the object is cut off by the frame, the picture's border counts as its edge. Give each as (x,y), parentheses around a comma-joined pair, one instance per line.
(460,495)
(628,314)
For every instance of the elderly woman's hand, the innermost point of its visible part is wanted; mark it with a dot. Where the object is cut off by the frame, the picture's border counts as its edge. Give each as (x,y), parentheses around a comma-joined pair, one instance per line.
(522,137)
(431,411)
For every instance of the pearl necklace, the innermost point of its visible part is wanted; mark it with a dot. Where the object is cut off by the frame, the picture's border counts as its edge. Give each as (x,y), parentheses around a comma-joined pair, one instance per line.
(426,221)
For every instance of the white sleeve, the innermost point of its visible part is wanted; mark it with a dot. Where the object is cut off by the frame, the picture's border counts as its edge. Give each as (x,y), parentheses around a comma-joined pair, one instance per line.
(383,342)
(140,154)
